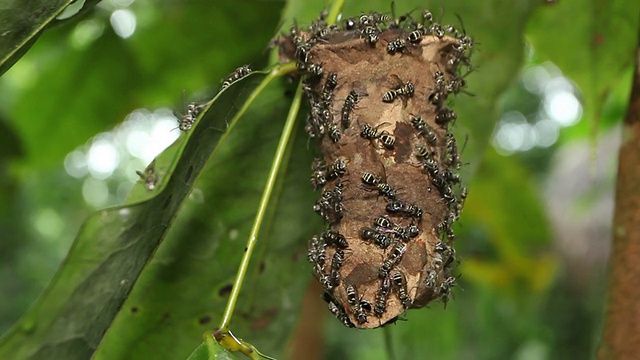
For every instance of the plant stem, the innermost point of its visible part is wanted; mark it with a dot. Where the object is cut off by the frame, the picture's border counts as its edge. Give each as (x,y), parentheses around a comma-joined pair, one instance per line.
(262,207)
(336,8)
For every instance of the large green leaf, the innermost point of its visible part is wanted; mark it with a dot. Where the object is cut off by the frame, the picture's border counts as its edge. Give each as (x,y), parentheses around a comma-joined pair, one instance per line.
(183,291)
(106,259)
(21,23)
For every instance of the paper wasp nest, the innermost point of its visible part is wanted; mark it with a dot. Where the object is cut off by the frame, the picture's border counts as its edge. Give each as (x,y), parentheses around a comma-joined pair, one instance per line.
(377,89)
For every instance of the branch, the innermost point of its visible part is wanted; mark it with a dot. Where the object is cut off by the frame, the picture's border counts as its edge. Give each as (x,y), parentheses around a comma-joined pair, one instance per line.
(621,338)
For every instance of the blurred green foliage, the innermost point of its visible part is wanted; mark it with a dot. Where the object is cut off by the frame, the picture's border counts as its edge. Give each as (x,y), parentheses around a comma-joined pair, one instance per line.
(516,299)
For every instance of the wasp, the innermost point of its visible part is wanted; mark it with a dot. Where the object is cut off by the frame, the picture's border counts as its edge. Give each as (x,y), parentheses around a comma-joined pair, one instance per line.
(186,121)
(336,263)
(415,36)
(338,312)
(329,86)
(149,176)
(317,252)
(375,182)
(350,24)
(431,279)
(445,116)
(451,176)
(430,165)
(238,74)
(396,45)
(349,103)
(453,157)
(400,284)
(334,133)
(388,141)
(404,208)
(370,179)
(427,16)
(370,35)
(382,296)
(318,178)
(334,238)
(336,169)
(315,69)
(356,304)
(394,259)
(389,96)
(369,132)
(424,129)
(403,90)
(317,120)
(423,152)
(380,239)
(383,222)
(445,289)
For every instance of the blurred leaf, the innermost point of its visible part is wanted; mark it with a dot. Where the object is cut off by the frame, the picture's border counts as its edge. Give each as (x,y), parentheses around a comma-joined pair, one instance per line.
(593,42)
(504,202)
(75,104)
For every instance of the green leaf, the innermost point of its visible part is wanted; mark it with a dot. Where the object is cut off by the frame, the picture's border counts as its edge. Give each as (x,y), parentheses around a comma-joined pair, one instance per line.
(21,23)
(515,226)
(210,350)
(114,245)
(184,289)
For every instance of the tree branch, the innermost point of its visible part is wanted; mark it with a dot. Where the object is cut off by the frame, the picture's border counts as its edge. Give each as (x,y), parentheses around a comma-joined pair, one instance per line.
(621,337)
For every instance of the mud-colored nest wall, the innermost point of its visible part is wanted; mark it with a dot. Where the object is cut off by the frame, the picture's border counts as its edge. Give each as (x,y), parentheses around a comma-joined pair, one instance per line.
(379,92)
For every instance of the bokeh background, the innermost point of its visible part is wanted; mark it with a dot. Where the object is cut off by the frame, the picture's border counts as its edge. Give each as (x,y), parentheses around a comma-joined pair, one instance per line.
(94,100)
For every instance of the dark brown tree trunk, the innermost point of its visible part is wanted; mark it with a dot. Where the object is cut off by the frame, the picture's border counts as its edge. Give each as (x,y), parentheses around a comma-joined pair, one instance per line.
(621,337)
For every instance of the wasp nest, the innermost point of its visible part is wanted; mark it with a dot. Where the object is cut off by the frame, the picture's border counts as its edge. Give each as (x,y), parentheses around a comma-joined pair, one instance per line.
(377,89)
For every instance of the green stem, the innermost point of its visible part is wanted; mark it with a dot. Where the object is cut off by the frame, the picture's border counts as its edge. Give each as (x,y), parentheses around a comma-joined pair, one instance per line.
(336,8)
(262,208)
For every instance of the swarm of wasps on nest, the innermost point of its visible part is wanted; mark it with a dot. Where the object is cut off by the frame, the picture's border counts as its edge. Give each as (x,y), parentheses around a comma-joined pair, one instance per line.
(377,89)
